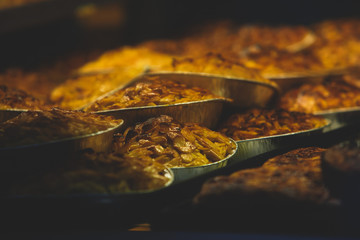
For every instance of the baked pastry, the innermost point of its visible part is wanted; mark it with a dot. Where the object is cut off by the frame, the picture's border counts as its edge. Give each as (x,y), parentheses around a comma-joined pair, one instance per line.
(287,178)
(341,168)
(153,92)
(328,95)
(214,64)
(165,141)
(93,173)
(255,123)
(274,63)
(33,127)
(139,58)
(338,43)
(77,92)
(11,98)
(288,38)
(227,36)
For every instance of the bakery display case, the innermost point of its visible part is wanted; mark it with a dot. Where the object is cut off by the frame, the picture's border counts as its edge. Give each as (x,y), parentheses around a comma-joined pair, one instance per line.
(220,118)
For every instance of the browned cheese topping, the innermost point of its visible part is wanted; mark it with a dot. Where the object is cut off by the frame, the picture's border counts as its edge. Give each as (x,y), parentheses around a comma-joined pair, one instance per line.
(257,123)
(294,176)
(152,93)
(173,144)
(98,173)
(17,99)
(34,127)
(330,95)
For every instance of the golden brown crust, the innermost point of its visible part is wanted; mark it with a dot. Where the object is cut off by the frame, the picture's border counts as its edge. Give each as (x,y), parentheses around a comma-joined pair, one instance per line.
(338,42)
(255,123)
(173,144)
(287,181)
(138,58)
(77,92)
(226,36)
(153,92)
(274,63)
(33,127)
(329,95)
(11,98)
(215,64)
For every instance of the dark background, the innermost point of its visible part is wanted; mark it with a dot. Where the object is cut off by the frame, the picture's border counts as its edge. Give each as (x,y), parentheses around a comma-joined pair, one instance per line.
(41,32)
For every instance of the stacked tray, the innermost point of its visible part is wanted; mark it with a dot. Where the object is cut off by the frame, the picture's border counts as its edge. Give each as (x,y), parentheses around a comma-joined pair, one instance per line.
(236,92)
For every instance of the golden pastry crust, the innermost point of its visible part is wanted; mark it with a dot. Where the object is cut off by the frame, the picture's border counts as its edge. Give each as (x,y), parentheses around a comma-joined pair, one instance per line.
(138,58)
(41,80)
(33,127)
(281,180)
(338,42)
(273,50)
(226,36)
(37,83)
(97,173)
(153,92)
(329,95)
(173,144)
(77,92)
(274,63)
(11,98)
(255,123)
(282,37)
(215,64)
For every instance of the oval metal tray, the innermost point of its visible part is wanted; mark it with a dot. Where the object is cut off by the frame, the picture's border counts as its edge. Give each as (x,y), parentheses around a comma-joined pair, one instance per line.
(205,112)
(287,81)
(244,93)
(340,117)
(185,173)
(253,147)
(29,158)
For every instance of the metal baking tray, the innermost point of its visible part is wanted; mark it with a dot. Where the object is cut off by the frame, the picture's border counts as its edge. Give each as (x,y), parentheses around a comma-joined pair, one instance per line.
(204,112)
(340,117)
(34,157)
(185,173)
(253,147)
(6,114)
(245,93)
(287,81)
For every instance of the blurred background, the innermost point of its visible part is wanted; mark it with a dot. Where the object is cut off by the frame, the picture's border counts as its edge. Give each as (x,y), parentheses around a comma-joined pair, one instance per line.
(37,31)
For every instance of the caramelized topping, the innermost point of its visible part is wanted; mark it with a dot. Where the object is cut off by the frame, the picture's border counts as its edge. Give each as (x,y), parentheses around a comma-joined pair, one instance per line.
(34,127)
(257,123)
(152,93)
(173,144)
(312,98)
